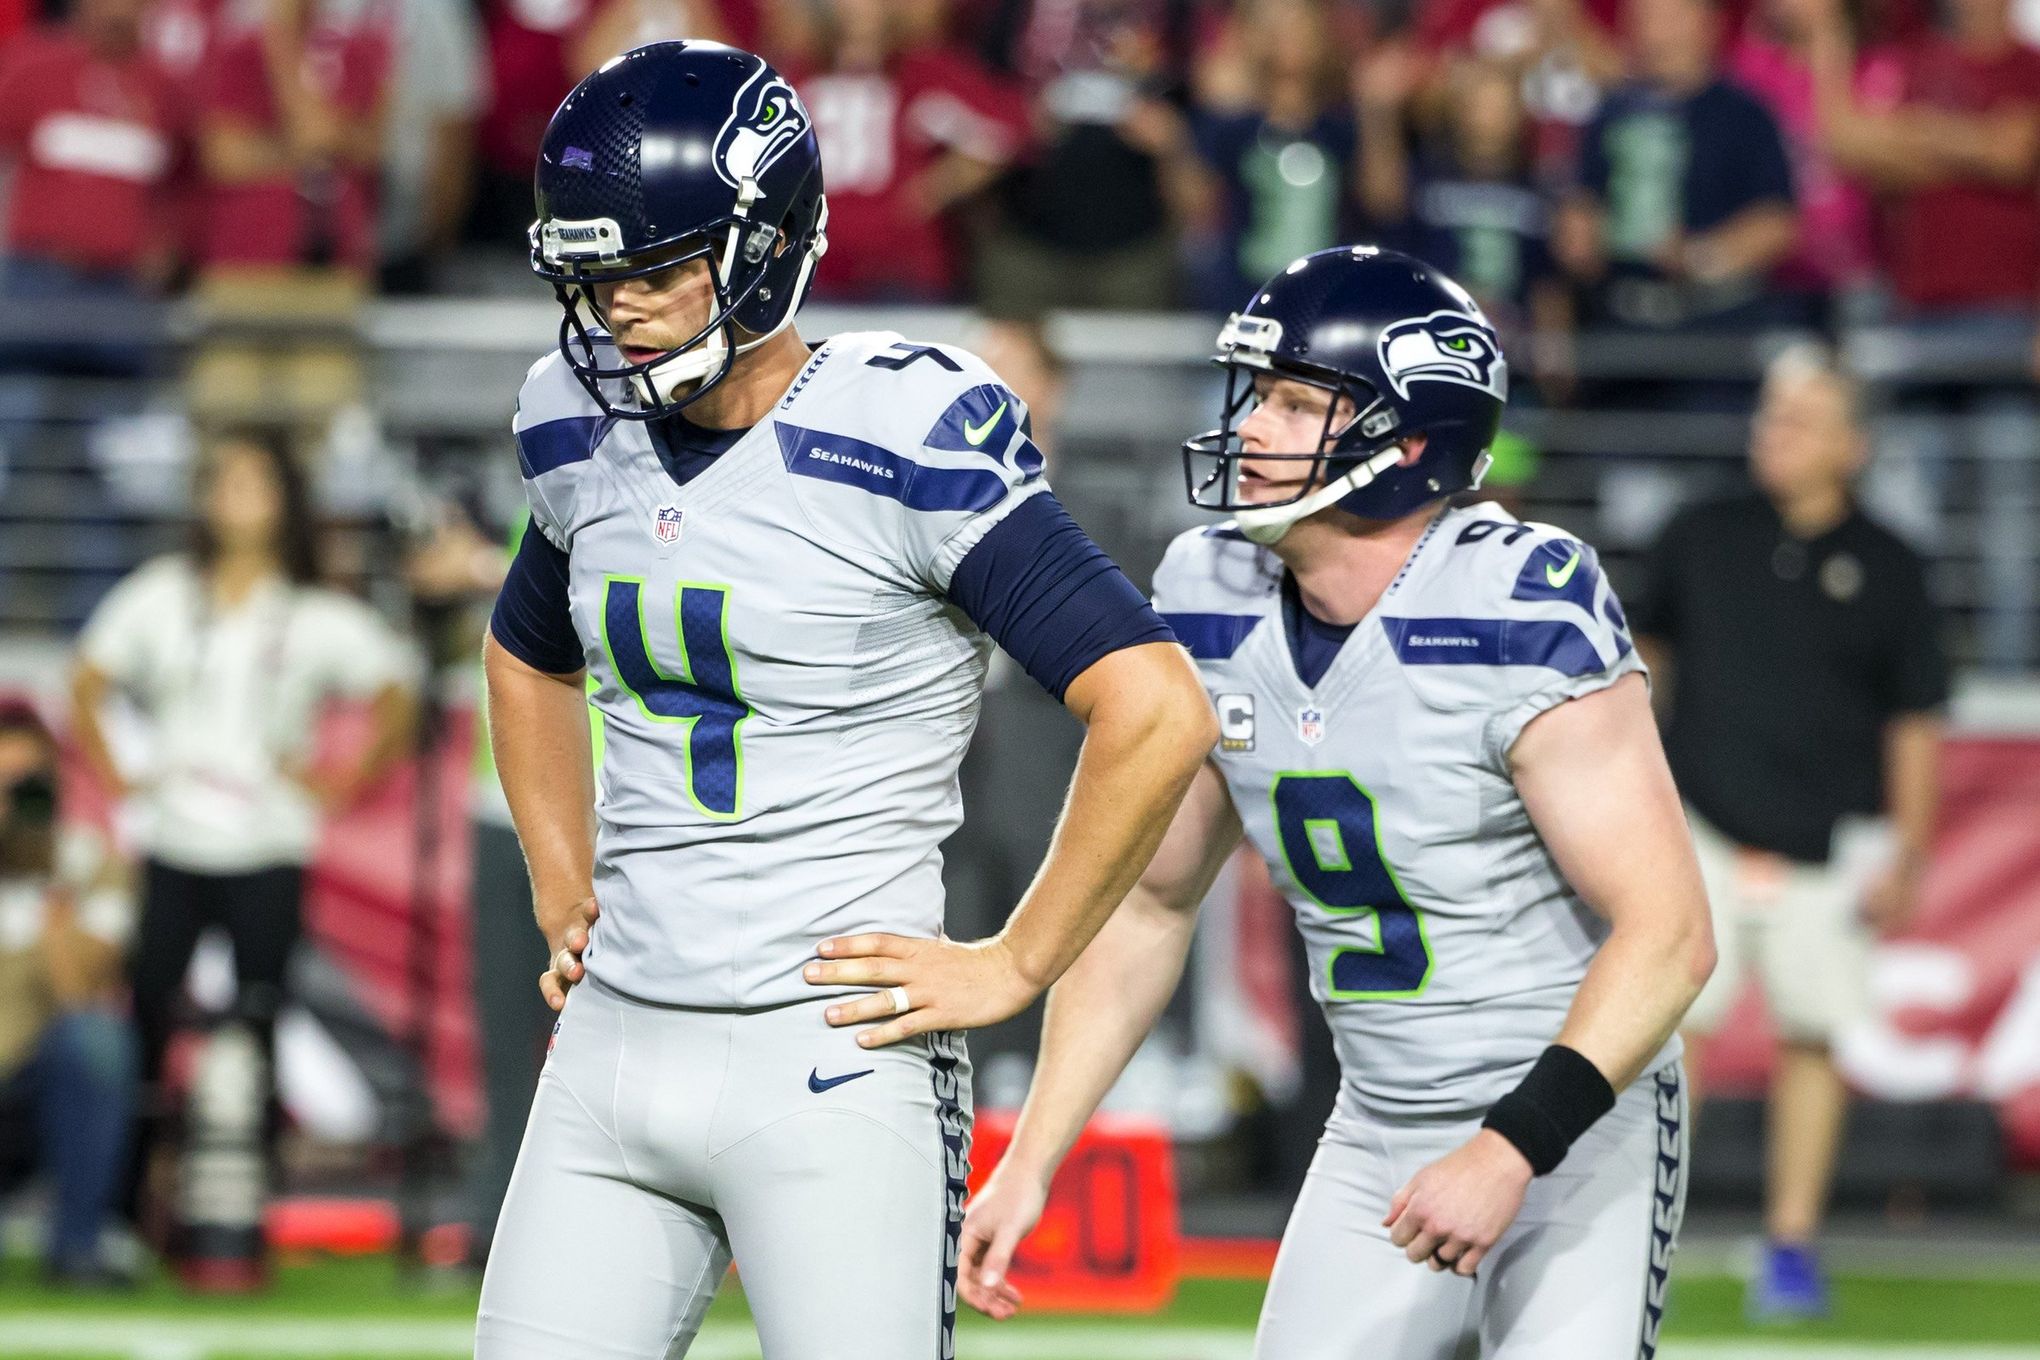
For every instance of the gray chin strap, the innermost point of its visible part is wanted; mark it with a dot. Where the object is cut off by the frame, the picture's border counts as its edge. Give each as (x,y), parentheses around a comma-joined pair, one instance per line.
(666,379)
(670,376)
(1267,526)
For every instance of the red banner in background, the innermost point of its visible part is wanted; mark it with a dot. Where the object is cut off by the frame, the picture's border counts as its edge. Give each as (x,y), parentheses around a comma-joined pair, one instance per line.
(1957,996)
(364,906)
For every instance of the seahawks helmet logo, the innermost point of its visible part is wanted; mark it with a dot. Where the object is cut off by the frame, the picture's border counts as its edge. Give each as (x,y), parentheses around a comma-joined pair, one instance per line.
(766,119)
(1444,347)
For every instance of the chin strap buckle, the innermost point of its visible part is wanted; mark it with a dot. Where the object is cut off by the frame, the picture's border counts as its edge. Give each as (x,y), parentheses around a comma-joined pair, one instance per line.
(1378,423)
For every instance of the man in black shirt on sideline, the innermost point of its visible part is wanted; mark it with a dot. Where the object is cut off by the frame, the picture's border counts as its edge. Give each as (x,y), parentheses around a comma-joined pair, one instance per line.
(1803,679)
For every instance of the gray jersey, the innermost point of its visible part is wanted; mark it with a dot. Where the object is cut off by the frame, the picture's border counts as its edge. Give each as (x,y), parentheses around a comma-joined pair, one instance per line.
(785,691)
(1445,946)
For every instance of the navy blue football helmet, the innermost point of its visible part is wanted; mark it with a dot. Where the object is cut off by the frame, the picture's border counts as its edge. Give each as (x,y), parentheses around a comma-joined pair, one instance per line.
(672,152)
(1405,347)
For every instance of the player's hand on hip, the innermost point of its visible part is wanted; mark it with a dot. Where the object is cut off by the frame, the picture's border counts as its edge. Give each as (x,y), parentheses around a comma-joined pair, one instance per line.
(567,932)
(1452,1212)
(927,984)
(1003,1212)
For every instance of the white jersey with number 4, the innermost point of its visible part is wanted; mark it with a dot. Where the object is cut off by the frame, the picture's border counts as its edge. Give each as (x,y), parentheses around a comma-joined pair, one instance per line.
(1444,944)
(784,688)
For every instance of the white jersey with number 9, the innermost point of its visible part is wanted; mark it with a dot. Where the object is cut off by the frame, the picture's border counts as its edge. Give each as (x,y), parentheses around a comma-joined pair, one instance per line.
(1444,944)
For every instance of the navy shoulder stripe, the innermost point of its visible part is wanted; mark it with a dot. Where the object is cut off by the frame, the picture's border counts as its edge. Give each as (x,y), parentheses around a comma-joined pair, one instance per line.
(1212,637)
(1560,569)
(1552,643)
(852,462)
(982,420)
(541,448)
(1612,611)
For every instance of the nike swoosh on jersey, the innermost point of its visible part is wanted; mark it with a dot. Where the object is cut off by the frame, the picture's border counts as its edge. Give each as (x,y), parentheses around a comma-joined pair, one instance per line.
(976,434)
(1558,576)
(818,1083)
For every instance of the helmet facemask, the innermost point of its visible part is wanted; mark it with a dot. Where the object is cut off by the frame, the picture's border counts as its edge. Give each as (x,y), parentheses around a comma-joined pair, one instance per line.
(740,254)
(1350,451)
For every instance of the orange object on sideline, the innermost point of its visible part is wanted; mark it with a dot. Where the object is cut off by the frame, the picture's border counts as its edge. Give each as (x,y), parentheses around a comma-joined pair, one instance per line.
(1109,1240)
(1229,1258)
(344,1227)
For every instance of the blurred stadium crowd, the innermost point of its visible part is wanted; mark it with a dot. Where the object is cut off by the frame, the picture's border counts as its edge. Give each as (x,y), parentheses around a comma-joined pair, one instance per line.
(1633,188)
(1648,163)
(1638,191)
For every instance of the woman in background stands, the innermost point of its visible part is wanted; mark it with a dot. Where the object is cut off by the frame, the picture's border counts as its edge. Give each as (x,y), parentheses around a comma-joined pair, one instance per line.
(227,652)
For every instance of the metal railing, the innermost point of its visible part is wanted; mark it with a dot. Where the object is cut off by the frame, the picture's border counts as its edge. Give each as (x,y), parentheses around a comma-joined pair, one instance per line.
(92,468)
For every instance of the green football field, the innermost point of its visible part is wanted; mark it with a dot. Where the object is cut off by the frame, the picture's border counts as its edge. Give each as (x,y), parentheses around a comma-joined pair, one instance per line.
(357,1310)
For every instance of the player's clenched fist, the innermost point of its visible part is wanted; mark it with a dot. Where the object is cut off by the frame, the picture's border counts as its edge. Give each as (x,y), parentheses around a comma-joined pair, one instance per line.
(567,932)
(1454,1211)
(999,1216)
(928,984)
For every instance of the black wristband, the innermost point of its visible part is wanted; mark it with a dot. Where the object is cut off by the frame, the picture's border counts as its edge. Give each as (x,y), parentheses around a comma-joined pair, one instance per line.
(1558,1100)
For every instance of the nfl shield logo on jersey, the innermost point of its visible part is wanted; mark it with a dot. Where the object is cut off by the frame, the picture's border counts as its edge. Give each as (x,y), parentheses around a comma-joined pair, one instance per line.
(666,524)
(1310,725)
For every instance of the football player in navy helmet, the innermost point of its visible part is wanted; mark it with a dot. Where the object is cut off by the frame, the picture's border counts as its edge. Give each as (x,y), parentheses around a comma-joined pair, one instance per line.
(1433,728)
(671,154)
(1389,349)
(778,571)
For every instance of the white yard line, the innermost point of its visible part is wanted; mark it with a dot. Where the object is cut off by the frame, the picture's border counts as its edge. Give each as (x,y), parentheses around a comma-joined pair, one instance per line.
(175,1338)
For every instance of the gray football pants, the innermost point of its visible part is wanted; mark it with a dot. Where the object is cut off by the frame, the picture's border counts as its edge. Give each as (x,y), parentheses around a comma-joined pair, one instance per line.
(1580,1275)
(663,1142)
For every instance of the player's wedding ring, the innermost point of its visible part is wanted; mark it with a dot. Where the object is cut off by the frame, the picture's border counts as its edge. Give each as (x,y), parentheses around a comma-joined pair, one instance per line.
(898,997)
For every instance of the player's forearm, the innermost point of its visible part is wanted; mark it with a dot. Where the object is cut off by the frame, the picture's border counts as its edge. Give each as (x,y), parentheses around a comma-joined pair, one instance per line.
(1148,734)
(538,730)
(1638,987)
(1097,1016)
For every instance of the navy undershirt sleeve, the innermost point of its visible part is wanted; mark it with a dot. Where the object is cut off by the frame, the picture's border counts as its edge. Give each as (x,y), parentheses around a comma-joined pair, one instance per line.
(532,619)
(1046,593)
